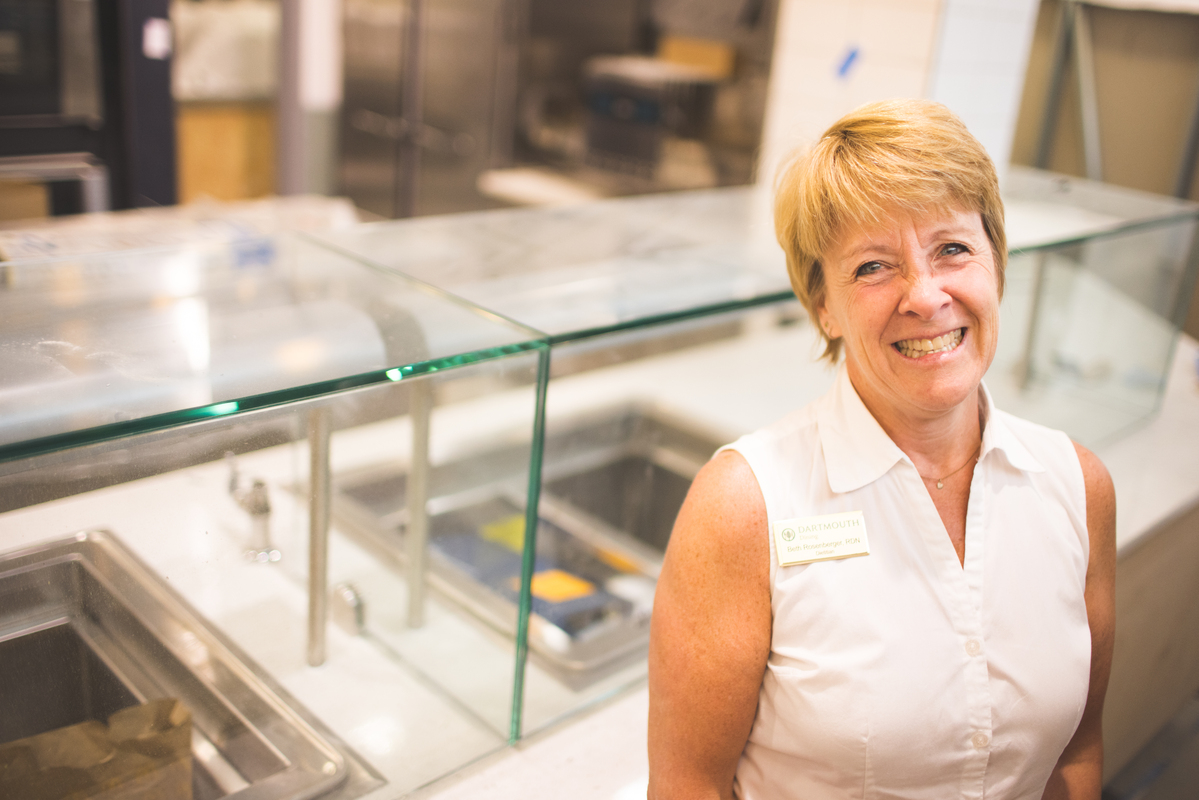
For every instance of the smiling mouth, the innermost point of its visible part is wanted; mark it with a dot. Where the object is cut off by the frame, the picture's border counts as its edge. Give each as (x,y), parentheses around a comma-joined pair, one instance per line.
(915,348)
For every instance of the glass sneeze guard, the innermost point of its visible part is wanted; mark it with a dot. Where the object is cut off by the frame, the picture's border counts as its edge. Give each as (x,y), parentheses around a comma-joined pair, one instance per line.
(609,284)
(142,340)
(576,271)
(199,403)
(1099,282)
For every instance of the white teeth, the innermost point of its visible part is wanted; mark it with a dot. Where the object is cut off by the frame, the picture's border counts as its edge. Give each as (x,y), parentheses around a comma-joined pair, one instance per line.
(914,348)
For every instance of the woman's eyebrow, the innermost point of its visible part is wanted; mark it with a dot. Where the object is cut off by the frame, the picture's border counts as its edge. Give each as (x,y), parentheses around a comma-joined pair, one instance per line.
(952,232)
(955,230)
(869,247)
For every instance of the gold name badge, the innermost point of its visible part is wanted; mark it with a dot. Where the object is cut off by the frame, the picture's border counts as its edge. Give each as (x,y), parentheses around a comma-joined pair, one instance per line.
(807,539)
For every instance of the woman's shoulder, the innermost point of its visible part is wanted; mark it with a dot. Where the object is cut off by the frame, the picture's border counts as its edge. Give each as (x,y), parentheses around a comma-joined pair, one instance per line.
(1083,482)
(780,460)
(723,521)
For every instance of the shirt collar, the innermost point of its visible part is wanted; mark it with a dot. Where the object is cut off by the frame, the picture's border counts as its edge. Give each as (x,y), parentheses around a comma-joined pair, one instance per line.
(857,450)
(998,436)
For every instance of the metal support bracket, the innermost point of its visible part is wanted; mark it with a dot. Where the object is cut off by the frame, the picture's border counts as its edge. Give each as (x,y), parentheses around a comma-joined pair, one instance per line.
(416,538)
(1073,40)
(1190,154)
(1057,78)
(1087,94)
(319,497)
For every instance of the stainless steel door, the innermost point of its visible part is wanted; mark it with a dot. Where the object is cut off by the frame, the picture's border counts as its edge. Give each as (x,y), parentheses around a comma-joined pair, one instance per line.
(467,78)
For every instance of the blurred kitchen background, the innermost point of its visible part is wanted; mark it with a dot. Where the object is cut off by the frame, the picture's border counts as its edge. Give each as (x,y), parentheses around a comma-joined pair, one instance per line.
(413,107)
(417,107)
(420,107)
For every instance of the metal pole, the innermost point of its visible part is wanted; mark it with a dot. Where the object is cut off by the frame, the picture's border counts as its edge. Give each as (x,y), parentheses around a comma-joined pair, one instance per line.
(1028,371)
(319,496)
(1190,154)
(416,540)
(94,181)
(1057,79)
(411,110)
(1088,98)
(289,115)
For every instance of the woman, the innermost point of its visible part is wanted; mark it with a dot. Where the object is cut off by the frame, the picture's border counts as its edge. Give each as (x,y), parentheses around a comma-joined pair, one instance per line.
(961,646)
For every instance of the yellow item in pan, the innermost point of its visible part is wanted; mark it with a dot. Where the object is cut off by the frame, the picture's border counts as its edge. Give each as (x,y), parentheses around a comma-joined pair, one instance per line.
(558,586)
(617,561)
(507,532)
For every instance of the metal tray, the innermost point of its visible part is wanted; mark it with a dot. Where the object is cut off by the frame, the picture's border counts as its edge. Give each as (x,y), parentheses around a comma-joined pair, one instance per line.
(87,629)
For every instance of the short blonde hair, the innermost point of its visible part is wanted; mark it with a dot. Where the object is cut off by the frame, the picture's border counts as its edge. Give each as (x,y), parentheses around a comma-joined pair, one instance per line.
(897,154)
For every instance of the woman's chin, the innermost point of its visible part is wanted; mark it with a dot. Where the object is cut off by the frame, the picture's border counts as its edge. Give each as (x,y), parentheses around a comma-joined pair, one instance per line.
(935,383)
(940,389)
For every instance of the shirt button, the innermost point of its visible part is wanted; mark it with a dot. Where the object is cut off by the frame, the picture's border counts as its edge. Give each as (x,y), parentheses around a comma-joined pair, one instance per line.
(973,647)
(980,740)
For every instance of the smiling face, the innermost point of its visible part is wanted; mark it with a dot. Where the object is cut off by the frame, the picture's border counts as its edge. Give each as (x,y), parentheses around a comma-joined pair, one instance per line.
(915,300)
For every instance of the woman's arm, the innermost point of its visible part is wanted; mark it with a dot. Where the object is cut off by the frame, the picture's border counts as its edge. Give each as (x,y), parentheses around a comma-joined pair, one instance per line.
(710,634)
(1079,772)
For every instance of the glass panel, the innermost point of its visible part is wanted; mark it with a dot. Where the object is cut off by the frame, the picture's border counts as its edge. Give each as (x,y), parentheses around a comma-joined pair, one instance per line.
(197,404)
(1089,329)
(141,340)
(584,269)
(459,661)
(631,417)
(1045,208)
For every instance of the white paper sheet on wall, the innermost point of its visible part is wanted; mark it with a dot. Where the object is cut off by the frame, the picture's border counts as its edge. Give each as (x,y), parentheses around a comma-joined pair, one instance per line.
(832,56)
(978,71)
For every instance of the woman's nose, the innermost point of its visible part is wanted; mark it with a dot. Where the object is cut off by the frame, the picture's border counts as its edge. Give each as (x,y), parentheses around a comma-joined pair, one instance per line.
(924,296)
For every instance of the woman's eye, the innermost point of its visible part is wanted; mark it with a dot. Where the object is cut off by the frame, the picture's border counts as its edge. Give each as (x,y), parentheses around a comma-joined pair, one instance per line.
(867,269)
(954,249)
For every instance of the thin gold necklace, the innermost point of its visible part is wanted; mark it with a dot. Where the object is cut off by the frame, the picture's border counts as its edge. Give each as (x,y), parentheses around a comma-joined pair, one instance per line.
(941,481)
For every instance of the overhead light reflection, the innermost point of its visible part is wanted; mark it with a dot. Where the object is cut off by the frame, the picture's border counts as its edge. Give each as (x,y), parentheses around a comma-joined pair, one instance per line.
(191,326)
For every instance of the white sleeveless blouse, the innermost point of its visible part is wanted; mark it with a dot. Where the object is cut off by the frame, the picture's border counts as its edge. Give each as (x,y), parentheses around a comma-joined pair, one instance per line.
(903,673)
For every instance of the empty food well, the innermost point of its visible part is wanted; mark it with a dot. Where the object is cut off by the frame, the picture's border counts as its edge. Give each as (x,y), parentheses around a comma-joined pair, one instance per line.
(87,630)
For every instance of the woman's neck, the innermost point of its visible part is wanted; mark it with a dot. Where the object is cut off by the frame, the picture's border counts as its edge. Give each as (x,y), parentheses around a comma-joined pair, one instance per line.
(936,441)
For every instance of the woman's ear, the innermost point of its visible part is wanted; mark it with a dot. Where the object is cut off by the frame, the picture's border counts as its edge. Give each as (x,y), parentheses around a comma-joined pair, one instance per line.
(825,321)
